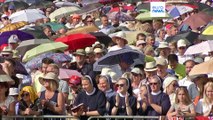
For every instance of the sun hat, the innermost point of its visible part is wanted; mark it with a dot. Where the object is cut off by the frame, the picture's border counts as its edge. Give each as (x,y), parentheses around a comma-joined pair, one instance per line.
(98,50)
(139,42)
(136,71)
(150,66)
(13,39)
(74,80)
(120,35)
(114,76)
(49,76)
(105,71)
(161,61)
(168,81)
(181,43)
(6,78)
(80,52)
(97,43)
(13,91)
(163,45)
(89,50)
(6,50)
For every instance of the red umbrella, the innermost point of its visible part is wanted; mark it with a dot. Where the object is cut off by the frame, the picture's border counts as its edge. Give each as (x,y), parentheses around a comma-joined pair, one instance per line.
(77,41)
(108,1)
(116,9)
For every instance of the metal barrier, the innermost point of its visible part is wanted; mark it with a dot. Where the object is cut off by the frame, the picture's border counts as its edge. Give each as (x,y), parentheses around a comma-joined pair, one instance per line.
(125,117)
(42,117)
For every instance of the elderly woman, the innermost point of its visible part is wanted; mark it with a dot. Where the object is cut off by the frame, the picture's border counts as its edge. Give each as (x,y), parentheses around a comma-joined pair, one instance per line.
(28,102)
(170,85)
(124,103)
(205,105)
(94,100)
(52,101)
(7,103)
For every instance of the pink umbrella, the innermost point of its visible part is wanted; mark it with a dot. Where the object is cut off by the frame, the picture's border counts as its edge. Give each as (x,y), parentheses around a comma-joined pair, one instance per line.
(67,73)
(203,47)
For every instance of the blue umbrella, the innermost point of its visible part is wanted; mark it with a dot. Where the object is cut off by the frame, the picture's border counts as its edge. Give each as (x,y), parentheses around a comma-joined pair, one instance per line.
(56,57)
(21,35)
(174,12)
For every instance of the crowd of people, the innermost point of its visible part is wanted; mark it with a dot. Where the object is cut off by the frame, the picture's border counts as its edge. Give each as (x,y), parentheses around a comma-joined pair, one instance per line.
(159,84)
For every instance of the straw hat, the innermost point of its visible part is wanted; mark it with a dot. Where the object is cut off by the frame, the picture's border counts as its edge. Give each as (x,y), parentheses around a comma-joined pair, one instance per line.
(163,45)
(7,50)
(136,71)
(89,50)
(120,35)
(168,81)
(161,61)
(80,52)
(98,50)
(49,76)
(150,66)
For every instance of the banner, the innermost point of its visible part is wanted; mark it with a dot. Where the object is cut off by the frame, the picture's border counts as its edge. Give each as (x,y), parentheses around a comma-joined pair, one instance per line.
(158,9)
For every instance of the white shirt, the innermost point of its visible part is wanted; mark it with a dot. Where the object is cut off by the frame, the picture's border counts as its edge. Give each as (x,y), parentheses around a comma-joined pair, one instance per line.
(202,108)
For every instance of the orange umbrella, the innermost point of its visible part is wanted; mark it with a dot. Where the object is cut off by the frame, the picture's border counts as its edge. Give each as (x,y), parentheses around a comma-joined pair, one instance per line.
(13,26)
(199,69)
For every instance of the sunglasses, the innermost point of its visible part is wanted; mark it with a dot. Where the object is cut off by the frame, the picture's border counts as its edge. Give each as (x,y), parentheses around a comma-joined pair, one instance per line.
(153,83)
(5,55)
(175,85)
(120,85)
(90,21)
(182,48)
(25,94)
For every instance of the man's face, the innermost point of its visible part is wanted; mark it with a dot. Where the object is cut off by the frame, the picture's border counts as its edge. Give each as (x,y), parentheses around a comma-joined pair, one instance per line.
(174,31)
(189,65)
(80,58)
(151,41)
(173,64)
(161,69)
(164,52)
(104,21)
(44,68)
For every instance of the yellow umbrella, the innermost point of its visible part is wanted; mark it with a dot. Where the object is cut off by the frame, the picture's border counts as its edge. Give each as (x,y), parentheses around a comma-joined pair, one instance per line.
(84,29)
(13,26)
(208,30)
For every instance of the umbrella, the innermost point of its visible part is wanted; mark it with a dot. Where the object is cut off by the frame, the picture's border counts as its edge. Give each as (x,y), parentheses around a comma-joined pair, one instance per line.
(147,16)
(43,48)
(102,38)
(144,6)
(121,16)
(13,26)
(24,46)
(28,15)
(63,12)
(19,5)
(89,8)
(207,34)
(77,41)
(87,2)
(21,35)
(108,1)
(55,26)
(64,4)
(124,8)
(36,31)
(189,36)
(84,29)
(114,57)
(56,57)
(182,9)
(202,68)
(41,4)
(203,47)
(67,73)
(197,20)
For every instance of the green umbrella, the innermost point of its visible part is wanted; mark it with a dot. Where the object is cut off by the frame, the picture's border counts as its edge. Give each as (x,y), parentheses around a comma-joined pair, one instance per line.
(147,16)
(41,4)
(43,48)
(63,12)
(55,26)
(36,31)
(19,5)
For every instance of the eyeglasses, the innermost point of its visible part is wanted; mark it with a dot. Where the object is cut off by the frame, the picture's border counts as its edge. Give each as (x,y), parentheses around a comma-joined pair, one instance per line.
(25,94)
(175,85)
(5,55)
(153,83)
(90,21)
(120,85)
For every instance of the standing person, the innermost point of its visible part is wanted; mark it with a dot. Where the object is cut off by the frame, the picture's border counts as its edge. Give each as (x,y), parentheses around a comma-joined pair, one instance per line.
(183,106)
(205,105)
(105,25)
(93,99)
(124,103)
(52,101)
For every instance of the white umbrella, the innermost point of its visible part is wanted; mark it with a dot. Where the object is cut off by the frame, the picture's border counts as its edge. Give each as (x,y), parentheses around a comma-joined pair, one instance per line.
(65,3)
(28,15)
(203,47)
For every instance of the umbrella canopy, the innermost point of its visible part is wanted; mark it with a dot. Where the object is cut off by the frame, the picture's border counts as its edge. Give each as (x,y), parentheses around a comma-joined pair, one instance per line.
(43,48)
(197,20)
(77,41)
(199,69)
(87,2)
(67,73)
(28,15)
(203,47)
(65,4)
(102,38)
(89,8)
(108,1)
(121,16)
(179,10)
(147,16)
(13,26)
(207,34)
(84,29)
(189,36)
(24,46)
(41,4)
(56,57)
(21,35)
(115,57)
(36,31)
(55,26)
(19,5)
(144,6)
(63,12)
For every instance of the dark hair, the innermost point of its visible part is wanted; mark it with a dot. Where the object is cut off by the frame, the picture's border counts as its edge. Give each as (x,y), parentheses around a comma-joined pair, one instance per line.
(140,34)
(104,16)
(172,58)
(6,85)
(47,61)
(10,60)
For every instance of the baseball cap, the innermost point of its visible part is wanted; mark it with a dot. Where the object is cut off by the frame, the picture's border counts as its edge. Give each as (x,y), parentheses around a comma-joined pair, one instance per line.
(181,43)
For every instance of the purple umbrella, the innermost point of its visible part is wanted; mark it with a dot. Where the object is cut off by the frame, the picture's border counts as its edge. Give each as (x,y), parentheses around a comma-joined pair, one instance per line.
(21,35)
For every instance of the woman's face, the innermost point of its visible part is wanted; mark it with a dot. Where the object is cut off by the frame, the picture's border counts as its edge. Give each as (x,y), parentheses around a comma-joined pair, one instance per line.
(87,86)
(103,85)
(46,83)
(122,86)
(181,96)
(173,86)
(25,96)
(143,91)
(209,93)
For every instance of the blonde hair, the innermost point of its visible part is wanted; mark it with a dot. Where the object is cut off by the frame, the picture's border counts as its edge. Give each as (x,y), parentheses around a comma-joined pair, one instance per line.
(187,100)
(53,85)
(206,99)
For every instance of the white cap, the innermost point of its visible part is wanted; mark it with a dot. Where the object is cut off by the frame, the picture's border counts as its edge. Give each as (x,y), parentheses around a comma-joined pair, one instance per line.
(98,50)
(163,45)
(140,42)
(13,39)
(136,71)
(13,91)
(181,43)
